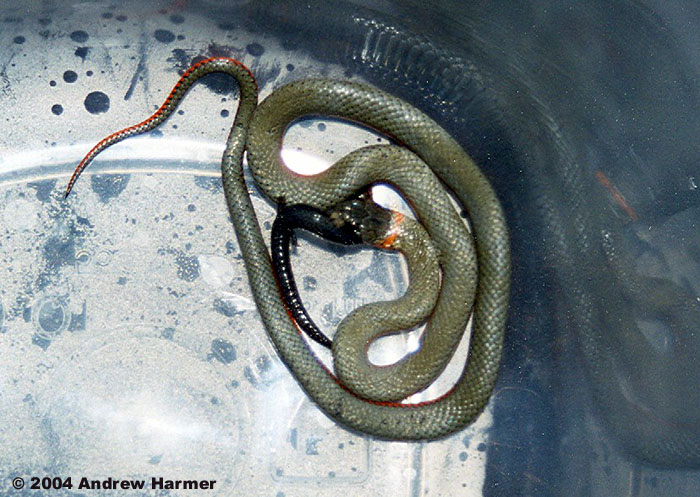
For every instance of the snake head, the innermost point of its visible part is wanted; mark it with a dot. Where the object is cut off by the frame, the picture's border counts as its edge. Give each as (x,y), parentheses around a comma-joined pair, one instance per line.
(364,217)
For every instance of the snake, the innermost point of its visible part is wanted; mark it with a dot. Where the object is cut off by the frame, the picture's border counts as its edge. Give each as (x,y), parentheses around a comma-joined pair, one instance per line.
(289,219)
(386,229)
(426,158)
(358,220)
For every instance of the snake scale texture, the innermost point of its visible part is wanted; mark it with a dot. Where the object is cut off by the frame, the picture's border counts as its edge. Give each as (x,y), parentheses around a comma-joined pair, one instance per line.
(475,269)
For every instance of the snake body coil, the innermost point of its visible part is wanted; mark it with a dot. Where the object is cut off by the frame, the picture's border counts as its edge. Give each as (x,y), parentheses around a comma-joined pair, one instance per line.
(463,278)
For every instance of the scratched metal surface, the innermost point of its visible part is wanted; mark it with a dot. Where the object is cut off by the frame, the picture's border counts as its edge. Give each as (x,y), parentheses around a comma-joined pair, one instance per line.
(129,344)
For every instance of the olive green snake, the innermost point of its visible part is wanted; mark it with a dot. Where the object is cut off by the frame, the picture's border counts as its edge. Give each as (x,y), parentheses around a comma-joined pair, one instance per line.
(475,269)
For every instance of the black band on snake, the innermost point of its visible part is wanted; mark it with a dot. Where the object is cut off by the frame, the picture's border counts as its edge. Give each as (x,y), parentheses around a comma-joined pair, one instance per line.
(290,218)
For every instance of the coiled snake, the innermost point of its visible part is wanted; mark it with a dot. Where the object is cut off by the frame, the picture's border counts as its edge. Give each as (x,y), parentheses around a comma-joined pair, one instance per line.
(475,270)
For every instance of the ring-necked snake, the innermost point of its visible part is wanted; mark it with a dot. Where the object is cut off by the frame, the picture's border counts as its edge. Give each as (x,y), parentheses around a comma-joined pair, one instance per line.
(352,222)
(429,152)
(289,219)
